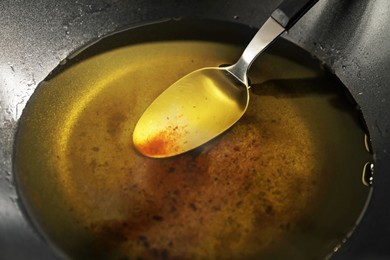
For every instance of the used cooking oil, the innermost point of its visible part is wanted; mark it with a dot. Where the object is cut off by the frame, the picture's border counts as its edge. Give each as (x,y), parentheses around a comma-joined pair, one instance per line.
(284,182)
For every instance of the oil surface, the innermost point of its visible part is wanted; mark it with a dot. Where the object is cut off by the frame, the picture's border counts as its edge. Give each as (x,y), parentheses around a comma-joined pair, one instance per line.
(284,182)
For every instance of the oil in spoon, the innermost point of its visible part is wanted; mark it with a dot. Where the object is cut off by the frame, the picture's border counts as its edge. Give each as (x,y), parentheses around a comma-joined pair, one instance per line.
(158,135)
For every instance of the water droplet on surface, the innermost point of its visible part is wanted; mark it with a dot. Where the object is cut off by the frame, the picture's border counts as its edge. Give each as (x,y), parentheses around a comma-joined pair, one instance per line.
(13,198)
(236,17)
(12,67)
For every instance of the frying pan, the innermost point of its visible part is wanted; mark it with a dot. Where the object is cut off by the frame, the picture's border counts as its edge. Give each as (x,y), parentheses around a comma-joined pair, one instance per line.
(350,37)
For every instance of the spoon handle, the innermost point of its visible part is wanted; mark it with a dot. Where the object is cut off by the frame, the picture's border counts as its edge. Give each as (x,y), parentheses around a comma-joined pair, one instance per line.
(290,11)
(285,16)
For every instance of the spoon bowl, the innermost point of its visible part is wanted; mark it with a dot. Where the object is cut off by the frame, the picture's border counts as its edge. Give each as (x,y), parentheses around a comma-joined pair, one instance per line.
(218,100)
(207,102)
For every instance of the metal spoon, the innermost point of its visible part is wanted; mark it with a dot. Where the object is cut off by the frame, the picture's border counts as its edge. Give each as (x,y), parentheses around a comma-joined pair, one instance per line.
(207,102)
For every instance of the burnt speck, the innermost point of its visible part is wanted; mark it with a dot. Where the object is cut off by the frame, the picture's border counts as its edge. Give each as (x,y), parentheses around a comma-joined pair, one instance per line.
(193,206)
(216,208)
(143,240)
(157,218)
(114,124)
(160,254)
(93,165)
(164,254)
(95,149)
(269,210)
(171,169)
(286,226)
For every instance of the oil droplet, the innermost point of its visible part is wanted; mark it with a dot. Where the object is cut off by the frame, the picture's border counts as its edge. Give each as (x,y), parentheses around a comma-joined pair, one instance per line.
(367,143)
(368,174)
(336,248)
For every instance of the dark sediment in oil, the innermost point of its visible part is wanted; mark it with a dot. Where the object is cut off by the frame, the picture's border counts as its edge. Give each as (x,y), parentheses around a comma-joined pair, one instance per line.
(285,181)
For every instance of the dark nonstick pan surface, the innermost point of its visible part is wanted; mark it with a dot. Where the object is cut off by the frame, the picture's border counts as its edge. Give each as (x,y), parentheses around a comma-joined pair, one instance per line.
(350,37)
